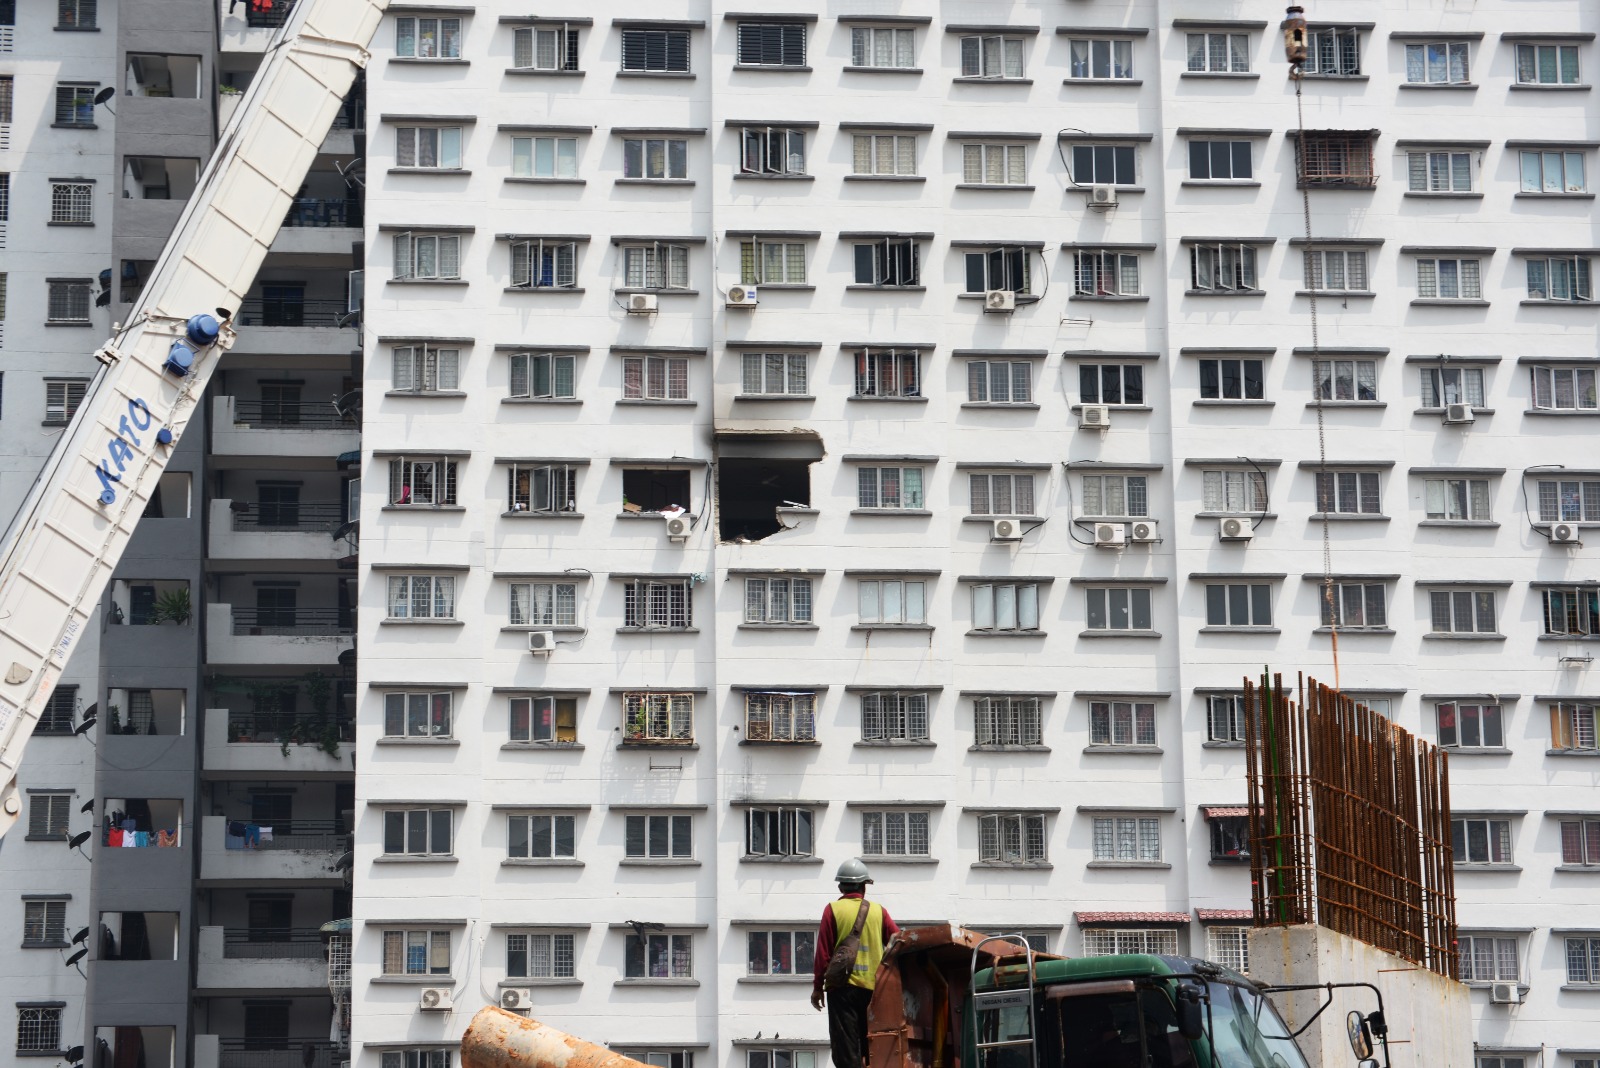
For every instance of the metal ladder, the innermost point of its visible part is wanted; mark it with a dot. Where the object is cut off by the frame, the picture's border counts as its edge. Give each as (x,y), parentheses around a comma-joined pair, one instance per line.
(997,1001)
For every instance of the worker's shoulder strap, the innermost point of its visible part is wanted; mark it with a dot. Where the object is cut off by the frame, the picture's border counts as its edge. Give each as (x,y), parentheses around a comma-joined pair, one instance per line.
(863,906)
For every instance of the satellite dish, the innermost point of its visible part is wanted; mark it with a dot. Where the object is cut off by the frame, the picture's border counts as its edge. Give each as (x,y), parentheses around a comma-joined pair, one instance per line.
(76,957)
(88,806)
(78,839)
(75,1054)
(105,94)
(78,938)
(84,727)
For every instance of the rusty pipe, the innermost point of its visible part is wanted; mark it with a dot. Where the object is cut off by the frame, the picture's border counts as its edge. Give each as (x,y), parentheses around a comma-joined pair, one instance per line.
(499,1039)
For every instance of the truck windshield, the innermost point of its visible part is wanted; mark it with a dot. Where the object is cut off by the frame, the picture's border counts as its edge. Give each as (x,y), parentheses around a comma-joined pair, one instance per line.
(1246,1032)
(1122,1031)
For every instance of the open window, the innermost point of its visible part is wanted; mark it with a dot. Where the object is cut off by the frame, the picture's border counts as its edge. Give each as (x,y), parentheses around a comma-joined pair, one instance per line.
(760,478)
(159,178)
(149,602)
(134,275)
(655,489)
(149,1047)
(171,497)
(154,713)
(141,823)
(177,77)
(138,936)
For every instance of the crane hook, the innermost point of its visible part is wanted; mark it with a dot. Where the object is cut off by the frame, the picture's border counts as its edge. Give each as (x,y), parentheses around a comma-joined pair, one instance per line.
(1294,40)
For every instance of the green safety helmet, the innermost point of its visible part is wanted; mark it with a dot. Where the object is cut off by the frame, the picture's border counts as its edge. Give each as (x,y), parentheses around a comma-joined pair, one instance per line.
(853,871)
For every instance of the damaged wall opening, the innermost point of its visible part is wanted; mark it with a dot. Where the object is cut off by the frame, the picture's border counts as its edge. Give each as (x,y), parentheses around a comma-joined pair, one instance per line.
(652,490)
(757,476)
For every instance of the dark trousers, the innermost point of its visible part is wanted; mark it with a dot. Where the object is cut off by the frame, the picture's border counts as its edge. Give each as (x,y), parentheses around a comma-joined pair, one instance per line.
(847,1025)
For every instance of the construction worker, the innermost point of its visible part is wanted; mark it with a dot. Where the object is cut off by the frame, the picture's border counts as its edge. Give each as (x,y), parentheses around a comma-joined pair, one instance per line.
(847,1006)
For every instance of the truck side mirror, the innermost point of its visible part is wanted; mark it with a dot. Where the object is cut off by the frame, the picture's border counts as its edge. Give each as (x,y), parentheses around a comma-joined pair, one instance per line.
(1191,1018)
(1355,1025)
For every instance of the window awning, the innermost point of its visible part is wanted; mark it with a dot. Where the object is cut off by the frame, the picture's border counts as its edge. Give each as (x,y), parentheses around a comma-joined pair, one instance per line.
(1212,812)
(1085,919)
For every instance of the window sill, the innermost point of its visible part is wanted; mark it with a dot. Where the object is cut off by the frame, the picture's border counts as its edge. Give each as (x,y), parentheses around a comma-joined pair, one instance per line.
(63,944)
(66,322)
(426,282)
(541,515)
(665,746)
(1021,406)
(897,743)
(1224,74)
(1221,183)
(1337,77)
(558,747)
(545,181)
(428,742)
(1356,632)
(653,181)
(1562,412)
(1579,869)
(1224,293)
(1476,750)
(885,178)
(1119,634)
(679,75)
(991,81)
(1229,862)
(1003,515)
(430,61)
(918,513)
(1117,408)
(658,630)
(529,72)
(1108,298)
(882,70)
(1221,745)
(421,622)
(1445,302)
(73,126)
(1450,637)
(414,980)
(656,982)
(749,177)
(540,400)
(928,627)
(530,980)
(1580,753)
(1552,196)
(525,628)
(976,187)
(1239,630)
(885,289)
(809,743)
(1158,865)
(1000,865)
(1438,85)
(69,222)
(1536,87)
(779,626)
(1108,83)
(1347,517)
(1466,866)
(1580,988)
(659,292)
(1224,402)
(1560,303)
(399,859)
(425,393)
(1568,638)
(545,291)
(1440,411)
(771,68)
(880,858)
(75,29)
(1123,750)
(639,402)
(1325,405)
(44,838)
(1451,195)
(658,862)
(1007,634)
(768,398)
(1336,294)
(452,172)
(806,979)
(1008,749)
(780,860)
(423,508)
(41,1053)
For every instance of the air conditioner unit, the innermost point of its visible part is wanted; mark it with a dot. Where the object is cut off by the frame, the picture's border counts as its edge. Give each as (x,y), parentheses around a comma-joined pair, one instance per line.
(1006,530)
(1000,300)
(1235,529)
(516,997)
(1094,417)
(1103,196)
(742,296)
(1144,530)
(1564,533)
(436,999)
(541,642)
(1458,413)
(1505,994)
(1110,535)
(641,303)
(678,528)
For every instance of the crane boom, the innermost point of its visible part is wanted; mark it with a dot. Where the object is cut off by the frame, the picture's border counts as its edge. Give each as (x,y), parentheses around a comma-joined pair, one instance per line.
(77,519)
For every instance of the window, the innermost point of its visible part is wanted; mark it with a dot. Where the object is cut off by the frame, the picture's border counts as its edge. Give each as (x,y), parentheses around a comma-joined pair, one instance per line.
(49,815)
(433,147)
(655,266)
(544,604)
(777,832)
(1001,607)
(1553,172)
(38,1029)
(891,261)
(773,374)
(1338,270)
(1225,717)
(1569,501)
(1100,273)
(1333,50)
(662,1058)
(1006,721)
(1135,838)
(991,57)
(992,164)
(59,712)
(422,482)
(1122,723)
(655,51)
(1335,158)
(766,44)
(426,369)
(1580,842)
(539,956)
(772,262)
(72,202)
(891,601)
(1583,960)
(1348,493)
(1547,64)
(543,837)
(1001,494)
(544,264)
(432,256)
(1449,278)
(1481,841)
(659,956)
(777,600)
(655,378)
(76,14)
(1111,383)
(655,158)
(1452,385)
(1437,63)
(44,923)
(884,154)
(1219,53)
(1229,946)
(1230,838)
(422,597)
(61,400)
(1574,611)
(416,715)
(894,834)
(544,720)
(1484,1061)
(427,38)
(1118,608)
(658,837)
(542,488)
(69,300)
(1239,604)
(1439,172)
(894,717)
(770,150)
(889,487)
(75,105)
(658,717)
(1487,958)
(1571,726)
(883,47)
(1462,611)
(1467,725)
(416,953)
(1233,491)
(780,717)
(1559,278)
(417,832)
(544,157)
(1012,838)
(545,48)
(1100,58)
(1356,606)
(786,952)
(1457,499)
(1000,268)
(542,376)
(1228,379)
(1346,380)
(1223,268)
(1220,161)
(999,382)
(7,99)
(1104,165)
(1103,941)
(657,604)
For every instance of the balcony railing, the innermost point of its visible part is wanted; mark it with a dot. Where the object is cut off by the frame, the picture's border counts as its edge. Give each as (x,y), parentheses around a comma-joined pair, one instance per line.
(353,113)
(313,836)
(274,943)
(293,621)
(273,726)
(276,1053)
(274,516)
(323,212)
(280,311)
(267,14)
(309,415)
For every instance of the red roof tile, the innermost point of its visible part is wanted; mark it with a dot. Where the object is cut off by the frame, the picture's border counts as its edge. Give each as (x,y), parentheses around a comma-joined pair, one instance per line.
(1203,915)
(1212,812)
(1085,918)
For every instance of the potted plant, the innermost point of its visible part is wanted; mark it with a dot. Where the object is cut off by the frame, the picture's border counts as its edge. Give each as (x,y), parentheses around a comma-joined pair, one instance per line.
(172,606)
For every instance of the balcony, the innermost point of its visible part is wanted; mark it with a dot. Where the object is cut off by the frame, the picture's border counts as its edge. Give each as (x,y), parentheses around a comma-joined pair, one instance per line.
(255,428)
(301,532)
(280,958)
(249,25)
(311,637)
(320,226)
(212,1051)
(265,746)
(306,856)
(299,326)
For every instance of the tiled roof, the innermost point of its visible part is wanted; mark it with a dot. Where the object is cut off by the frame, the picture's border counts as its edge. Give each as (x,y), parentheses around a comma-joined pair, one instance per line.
(1222,914)
(1085,918)
(1212,812)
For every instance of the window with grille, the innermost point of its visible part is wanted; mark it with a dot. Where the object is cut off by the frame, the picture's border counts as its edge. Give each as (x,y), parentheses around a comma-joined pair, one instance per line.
(69,300)
(544,720)
(1439,172)
(1462,611)
(781,952)
(1223,268)
(1330,157)
(1486,1061)
(1127,838)
(999,382)
(542,375)
(1449,278)
(894,834)
(544,604)
(72,202)
(1233,491)
(429,147)
(427,38)
(553,48)
(539,956)
(77,14)
(1348,493)
(1559,278)
(891,601)
(60,712)
(422,482)
(655,378)
(1469,725)
(1006,721)
(416,715)
(1580,842)
(1100,273)
(1583,960)
(543,488)
(1239,604)
(1001,607)
(993,57)
(655,51)
(75,105)
(772,150)
(1104,164)
(1100,58)
(1220,161)
(1452,385)
(1489,958)
(1336,270)
(1356,606)
(884,154)
(49,815)
(780,716)
(1121,723)
(777,600)
(883,47)
(416,953)
(659,956)
(544,157)
(1000,268)
(994,164)
(38,1029)
(894,717)
(1333,50)
(769,44)
(1225,717)
(1547,64)
(426,369)
(658,717)
(1116,496)
(778,832)
(1230,838)
(1553,172)
(889,487)
(772,262)
(1574,610)
(1437,63)
(1457,499)
(44,923)
(1105,941)
(1568,501)
(773,374)
(1013,838)
(1481,841)
(418,256)
(1219,53)
(657,158)
(544,264)
(417,832)
(1118,608)
(1111,383)
(655,266)
(422,597)
(7,99)
(537,836)
(1572,725)
(657,604)
(890,261)
(1001,494)
(1230,947)
(658,837)
(1346,380)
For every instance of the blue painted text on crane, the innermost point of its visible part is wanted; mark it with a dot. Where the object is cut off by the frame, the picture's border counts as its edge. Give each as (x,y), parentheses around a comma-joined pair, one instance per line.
(119,450)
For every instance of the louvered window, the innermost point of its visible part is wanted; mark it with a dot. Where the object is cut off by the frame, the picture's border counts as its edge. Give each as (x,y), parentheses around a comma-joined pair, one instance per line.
(655,51)
(768,44)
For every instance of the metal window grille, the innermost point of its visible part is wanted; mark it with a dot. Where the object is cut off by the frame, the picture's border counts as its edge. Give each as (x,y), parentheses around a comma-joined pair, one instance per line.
(1122,723)
(1225,718)
(987,164)
(38,1029)
(1107,274)
(1348,492)
(1011,838)
(49,815)
(659,956)
(1480,841)
(657,605)
(1580,842)
(422,597)
(426,369)
(773,374)
(1569,501)
(778,832)
(416,953)
(75,105)
(894,717)
(44,921)
(898,834)
(1334,51)
(542,376)
(1234,491)
(882,46)
(1105,941)
(772,262)
(1486,958)
(1462,611)
(69,301)
(1334,158)
(544,264)
(1229,947)
(539,956)
(1219,53)
(60,712)
(1005,606)
(1006,721)
(1437,63)
(999,382)
(416,715)
(545,48)
(1116,495)
(655,266)
(1565,278)
(888,373)
(1342,270)
(991,57)
(77,14)
(1583,960)
(884,154)
(1098,58)
(780,952)
(655,51)
(780,717)
(544,604)
(768,44)
(427,255)
(422,482)
(1356,605)
(1005,494)
(1223,268)
(428,38)
(72,202)
(658,717)
(1572,726)
(1452,385)
(777,600)
(545,488)
(1110,383)
(1129,838)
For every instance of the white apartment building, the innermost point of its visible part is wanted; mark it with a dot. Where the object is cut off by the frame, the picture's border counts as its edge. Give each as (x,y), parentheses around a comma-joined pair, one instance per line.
(974,341)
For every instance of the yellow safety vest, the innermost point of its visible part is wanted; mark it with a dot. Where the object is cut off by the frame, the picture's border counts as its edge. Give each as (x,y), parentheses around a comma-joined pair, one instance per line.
(870,954)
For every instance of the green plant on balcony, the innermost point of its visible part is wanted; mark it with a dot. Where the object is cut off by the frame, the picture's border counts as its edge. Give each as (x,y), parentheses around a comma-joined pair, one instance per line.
(172,606)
